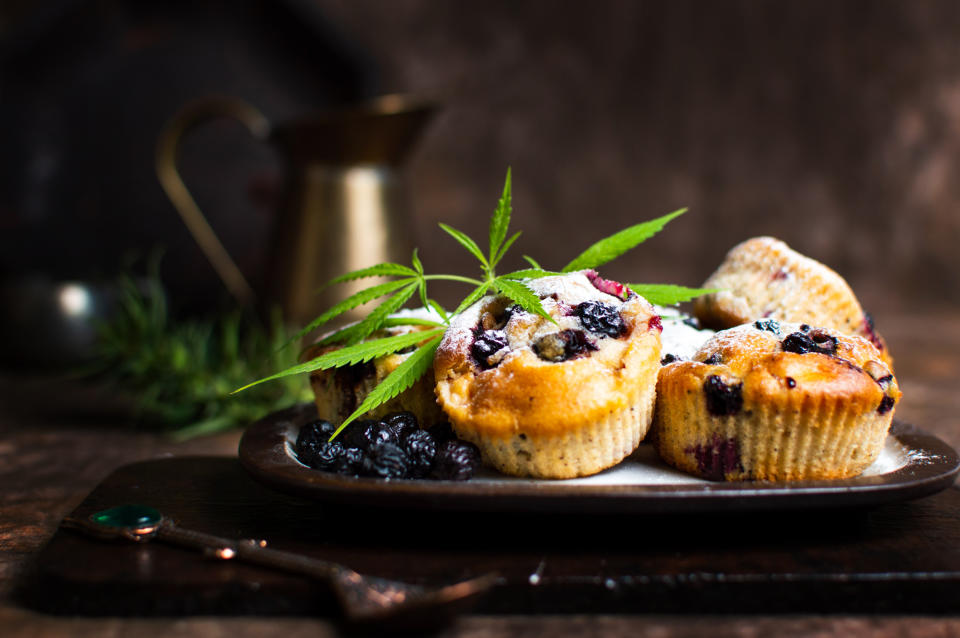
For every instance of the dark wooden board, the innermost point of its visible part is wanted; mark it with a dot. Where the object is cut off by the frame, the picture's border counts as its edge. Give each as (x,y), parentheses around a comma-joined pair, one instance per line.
(902,557)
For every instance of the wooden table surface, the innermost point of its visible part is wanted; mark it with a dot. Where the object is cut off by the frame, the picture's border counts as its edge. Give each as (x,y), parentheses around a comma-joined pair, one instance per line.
(56,444)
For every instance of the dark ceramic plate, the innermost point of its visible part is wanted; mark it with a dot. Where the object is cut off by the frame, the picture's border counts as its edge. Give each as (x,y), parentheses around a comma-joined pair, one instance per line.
(913,464)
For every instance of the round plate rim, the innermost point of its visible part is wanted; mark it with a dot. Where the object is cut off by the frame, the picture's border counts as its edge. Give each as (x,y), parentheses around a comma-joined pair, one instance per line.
(263,454)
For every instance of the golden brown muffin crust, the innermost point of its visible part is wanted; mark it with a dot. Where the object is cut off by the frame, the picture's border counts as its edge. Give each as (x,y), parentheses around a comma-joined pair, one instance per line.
(527,394)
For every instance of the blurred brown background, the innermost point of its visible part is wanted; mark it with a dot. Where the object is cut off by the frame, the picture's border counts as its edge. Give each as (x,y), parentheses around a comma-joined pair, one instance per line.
(834,126)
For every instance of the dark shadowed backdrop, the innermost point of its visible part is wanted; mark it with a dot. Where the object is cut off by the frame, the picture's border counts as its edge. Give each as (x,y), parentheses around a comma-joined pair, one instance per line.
(832,125)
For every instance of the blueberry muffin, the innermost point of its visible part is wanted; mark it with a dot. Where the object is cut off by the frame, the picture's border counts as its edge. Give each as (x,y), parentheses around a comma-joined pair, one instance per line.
(763,277)
(552,400)
(338,392)
(775,402)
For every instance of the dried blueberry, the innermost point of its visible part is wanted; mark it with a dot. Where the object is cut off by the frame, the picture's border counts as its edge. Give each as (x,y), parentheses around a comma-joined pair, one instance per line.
(560,346)
(362,434)
(385,460)
(693,322)
(327,456)
(486,343)
(714,359)
(422,450)
(402,423)
(601,318)
(770,325)
(722,399)
(817,341)
(442,432)
(350,462)
(668,358)
(315,431)
(456,461)
(311,437)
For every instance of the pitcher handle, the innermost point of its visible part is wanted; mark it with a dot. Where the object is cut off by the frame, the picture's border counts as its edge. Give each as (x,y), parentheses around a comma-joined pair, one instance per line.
(194,114)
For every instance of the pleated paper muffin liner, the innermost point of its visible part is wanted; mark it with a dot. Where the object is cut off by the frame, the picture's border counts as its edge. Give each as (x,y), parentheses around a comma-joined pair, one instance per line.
(580,451)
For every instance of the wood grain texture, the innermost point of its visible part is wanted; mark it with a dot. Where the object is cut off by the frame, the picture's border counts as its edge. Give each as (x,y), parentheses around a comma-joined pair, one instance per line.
(894,558)
(53,452)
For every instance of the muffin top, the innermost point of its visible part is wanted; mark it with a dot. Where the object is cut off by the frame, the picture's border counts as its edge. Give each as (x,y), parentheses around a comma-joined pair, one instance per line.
(768,360)
(764,276)
(502,368)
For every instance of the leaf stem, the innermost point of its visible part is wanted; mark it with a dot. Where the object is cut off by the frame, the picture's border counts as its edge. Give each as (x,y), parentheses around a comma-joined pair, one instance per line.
(466,280)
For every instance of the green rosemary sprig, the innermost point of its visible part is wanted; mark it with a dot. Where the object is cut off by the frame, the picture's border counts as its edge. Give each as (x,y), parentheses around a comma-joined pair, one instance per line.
(357,345)
(180,373)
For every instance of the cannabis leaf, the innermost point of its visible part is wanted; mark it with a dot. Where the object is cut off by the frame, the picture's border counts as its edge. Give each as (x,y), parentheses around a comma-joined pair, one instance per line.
(668,294)
(529,273)
(380,270)
(352,355)
(523,296)
(466,242)
(358,346)
(615,245)
(351,302)
(402,378)
(500,222)
(473,297)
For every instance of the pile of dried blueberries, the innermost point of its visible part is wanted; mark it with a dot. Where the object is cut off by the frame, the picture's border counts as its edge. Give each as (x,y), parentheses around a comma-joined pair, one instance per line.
(393,447)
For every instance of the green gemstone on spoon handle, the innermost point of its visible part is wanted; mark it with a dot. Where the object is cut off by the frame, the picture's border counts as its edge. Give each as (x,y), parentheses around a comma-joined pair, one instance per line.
(127,516)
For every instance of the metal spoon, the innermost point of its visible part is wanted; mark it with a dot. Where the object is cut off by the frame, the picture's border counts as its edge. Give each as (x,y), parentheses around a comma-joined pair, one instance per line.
(363,599)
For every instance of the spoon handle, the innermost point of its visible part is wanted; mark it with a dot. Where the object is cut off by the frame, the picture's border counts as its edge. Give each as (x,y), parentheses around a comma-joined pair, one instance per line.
(248,550)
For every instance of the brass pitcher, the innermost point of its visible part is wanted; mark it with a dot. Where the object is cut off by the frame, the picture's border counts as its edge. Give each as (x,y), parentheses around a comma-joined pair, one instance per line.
(344,206)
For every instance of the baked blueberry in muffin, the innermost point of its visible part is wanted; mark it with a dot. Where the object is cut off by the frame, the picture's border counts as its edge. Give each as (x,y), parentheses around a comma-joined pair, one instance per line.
(552,399)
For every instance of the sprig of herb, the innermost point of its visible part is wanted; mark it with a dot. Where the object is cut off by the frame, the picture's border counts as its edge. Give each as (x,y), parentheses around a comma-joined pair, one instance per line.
(668,294)
(180,373)
(357,346)
(610,248)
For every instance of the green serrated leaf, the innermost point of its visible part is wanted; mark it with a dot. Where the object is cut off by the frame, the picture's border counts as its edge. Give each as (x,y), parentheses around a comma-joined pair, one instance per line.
(389,322)
(380,270)
(439,310)
(529,273)
(472,298)
(506,246)
(374,320)
(369,350)
(532,262)
(615,245)
(403,377)
(346,333)
(351,355)
(422,288)
(466,242)
(668,294)
(523,296)
(360,298)
(500,221)
(415,260)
